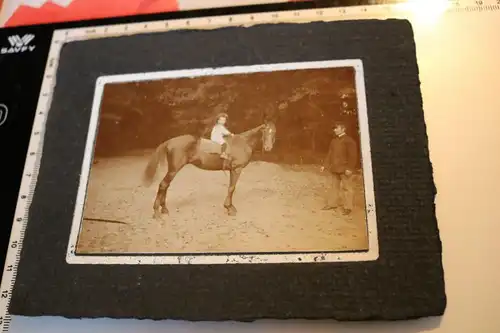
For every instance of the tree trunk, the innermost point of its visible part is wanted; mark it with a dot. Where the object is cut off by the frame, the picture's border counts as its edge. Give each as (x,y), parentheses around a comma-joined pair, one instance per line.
(313,140)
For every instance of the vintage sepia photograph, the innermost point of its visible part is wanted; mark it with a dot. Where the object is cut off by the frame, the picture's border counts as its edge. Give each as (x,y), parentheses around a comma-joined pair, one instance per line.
(251,164)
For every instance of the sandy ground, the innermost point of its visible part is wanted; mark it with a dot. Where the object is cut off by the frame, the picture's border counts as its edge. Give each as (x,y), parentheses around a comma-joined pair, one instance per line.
(279,209)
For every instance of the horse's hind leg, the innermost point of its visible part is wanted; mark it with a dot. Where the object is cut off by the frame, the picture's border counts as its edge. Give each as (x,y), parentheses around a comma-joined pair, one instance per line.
(160,204)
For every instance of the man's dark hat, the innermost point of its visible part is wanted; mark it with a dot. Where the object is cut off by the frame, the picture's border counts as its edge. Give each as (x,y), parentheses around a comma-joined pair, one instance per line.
(339,123)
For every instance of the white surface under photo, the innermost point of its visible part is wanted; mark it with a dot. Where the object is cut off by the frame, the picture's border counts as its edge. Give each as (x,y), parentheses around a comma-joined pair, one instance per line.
(457,52)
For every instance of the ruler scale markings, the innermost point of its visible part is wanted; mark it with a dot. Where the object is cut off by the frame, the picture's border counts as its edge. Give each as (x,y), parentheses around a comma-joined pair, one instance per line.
(310,14)
(26,192)
(32,163)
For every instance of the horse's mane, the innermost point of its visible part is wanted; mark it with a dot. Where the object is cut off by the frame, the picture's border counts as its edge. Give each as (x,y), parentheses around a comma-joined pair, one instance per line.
(251,131)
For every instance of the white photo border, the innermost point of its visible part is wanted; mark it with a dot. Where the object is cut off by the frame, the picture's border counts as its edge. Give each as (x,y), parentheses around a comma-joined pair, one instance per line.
(233,258)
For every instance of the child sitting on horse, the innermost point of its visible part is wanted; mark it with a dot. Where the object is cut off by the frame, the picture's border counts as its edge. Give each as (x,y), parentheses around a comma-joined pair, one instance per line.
(219,133)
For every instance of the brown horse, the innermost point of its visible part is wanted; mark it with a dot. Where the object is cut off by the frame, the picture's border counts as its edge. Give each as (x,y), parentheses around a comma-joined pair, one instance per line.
(204,154)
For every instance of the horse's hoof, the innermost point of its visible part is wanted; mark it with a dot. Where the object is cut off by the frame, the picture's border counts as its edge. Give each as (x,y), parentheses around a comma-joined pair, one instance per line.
(159,214)
(231,211)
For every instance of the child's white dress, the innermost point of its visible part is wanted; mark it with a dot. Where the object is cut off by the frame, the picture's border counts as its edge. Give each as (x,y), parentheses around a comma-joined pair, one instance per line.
(218,133)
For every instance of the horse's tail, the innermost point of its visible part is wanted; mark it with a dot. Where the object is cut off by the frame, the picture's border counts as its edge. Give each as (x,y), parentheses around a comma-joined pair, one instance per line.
(159,156)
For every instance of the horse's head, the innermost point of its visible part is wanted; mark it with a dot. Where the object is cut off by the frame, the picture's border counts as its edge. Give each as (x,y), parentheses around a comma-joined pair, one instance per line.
(268,135)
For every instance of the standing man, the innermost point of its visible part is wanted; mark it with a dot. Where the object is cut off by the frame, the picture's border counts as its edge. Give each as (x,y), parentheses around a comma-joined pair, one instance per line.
(341,161)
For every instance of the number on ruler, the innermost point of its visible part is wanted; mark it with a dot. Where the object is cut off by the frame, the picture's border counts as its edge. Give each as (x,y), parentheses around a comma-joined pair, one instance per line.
(9,268)
(479,2)
(5,294)
(319,12)
(342,10)
(298,13)
(1,320)
(188,23)
(13,245)
(274,16)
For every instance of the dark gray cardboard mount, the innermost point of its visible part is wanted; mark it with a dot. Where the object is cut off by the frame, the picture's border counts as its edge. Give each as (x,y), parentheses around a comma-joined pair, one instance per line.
(405,282)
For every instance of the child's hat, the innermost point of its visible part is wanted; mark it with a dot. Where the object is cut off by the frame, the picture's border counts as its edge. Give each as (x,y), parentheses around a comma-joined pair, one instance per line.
(222,114)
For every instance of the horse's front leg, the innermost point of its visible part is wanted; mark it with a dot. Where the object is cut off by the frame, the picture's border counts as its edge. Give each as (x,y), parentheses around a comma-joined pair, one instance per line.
(233,179)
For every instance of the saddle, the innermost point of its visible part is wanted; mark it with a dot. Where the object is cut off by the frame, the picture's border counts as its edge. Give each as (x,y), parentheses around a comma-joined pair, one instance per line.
(210,147)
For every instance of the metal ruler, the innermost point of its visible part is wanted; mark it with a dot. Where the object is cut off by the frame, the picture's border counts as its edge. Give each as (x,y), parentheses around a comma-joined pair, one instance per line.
(62,36)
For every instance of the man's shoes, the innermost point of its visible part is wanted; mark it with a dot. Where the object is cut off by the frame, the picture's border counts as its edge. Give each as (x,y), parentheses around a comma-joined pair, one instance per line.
(343,210)
(346,211)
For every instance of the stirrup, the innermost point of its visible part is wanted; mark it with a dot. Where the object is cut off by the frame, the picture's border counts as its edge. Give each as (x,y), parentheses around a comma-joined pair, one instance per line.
(226,164)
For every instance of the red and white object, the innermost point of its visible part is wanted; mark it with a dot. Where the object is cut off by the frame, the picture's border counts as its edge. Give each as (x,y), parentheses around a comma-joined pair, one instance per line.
(27,12)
